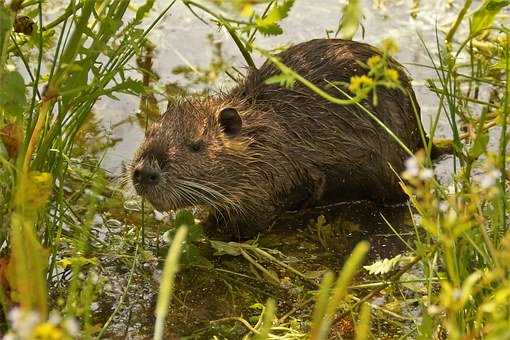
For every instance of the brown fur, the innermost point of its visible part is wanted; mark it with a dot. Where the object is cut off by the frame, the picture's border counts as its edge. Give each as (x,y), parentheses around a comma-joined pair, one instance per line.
(294,150)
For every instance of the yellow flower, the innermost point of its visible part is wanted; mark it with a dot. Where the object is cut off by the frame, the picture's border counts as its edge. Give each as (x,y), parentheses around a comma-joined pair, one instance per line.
(503,40)
(41,178)
(47,331)
(359,82)
(34,190)
(389,46)
(373,61)
(64,263)
(247,10)
(391,75)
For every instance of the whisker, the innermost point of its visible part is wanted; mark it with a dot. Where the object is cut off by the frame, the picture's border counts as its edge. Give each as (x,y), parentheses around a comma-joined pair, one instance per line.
(196,194)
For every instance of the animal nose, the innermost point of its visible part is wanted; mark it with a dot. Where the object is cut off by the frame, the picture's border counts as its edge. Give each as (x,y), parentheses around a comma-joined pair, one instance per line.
(146,176)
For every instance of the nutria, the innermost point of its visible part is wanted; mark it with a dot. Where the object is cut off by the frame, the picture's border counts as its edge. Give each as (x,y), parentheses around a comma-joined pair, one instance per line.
(260,148)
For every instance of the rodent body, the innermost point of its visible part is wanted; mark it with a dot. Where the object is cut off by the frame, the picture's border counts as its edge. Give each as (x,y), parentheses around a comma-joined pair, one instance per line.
(262,148)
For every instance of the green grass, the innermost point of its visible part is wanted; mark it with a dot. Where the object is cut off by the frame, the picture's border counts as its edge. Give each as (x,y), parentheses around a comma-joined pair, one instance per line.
(454,273)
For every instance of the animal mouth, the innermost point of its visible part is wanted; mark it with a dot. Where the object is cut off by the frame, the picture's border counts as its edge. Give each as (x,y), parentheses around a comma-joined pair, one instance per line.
(154,196)
(162,200)
(181,194)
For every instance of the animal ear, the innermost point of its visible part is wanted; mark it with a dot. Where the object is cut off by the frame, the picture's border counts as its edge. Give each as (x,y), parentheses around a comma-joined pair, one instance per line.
(230,121)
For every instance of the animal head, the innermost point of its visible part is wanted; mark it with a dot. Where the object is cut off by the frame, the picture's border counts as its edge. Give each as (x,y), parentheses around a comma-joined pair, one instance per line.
(197,154)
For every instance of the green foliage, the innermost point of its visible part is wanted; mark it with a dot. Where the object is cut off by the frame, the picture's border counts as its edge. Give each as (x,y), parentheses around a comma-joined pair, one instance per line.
(53,196)
(223,248)
(363,328)
(6,25)
(484,16)
(167,279)
(6,21)
(13,99)
(384,266)
(27,266)
(85,52)
(329,301)
(285,80)
(269,24)
(191,255)
(268,315)
(144,10)
(351,20)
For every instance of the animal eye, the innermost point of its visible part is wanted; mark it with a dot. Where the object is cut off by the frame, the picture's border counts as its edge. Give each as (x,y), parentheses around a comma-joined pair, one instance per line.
(196,146)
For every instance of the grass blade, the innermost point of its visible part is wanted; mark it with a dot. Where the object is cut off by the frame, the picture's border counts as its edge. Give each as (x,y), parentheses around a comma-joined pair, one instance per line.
(167,281)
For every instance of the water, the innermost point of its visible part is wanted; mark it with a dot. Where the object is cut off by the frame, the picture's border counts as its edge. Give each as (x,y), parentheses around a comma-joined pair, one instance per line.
(211,294)
(181,39)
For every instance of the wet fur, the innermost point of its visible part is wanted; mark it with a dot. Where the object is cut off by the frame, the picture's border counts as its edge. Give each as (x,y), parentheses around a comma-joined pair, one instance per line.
(295,149)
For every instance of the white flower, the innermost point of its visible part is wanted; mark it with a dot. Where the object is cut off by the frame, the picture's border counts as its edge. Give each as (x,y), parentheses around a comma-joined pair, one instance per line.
(94,277)
(426,173)
(71,326)
(489,179)
(9,336)
(54,318)
(23,322)
(94,306)
(451,189)
(412,168)
(443,206)
(159,216)
(434,309)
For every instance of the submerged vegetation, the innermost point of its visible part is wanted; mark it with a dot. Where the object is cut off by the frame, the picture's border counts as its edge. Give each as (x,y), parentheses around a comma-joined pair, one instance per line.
(81,260)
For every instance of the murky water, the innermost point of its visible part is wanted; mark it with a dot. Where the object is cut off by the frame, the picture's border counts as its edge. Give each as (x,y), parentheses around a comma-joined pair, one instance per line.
(208,294)
(181,39)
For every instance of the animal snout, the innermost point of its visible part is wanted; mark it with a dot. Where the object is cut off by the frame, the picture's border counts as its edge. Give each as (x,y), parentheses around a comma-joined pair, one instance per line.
(146,176)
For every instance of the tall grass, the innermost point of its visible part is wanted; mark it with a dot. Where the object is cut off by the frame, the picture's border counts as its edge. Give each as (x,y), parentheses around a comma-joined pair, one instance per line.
(70,62)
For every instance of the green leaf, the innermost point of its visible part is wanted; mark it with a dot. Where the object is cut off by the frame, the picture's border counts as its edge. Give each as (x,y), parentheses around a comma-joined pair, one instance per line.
(167,282)
(26,271)
(12,93)
(383,266)
(144,10)
(195,232)
(129,86)
(417,286)
(484,16)
(268,24)
(351,19)
(184,218)
(426,328)
(6,21)
(6,25)
(282,79)
(257,306)
(223,248)
(267,320)
(191,256)
(479,146)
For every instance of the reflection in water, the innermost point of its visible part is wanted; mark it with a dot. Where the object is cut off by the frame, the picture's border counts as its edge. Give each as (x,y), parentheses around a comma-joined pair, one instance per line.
(338,228)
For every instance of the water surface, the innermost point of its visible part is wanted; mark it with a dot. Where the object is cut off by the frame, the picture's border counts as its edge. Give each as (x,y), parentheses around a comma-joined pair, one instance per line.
(181,39)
